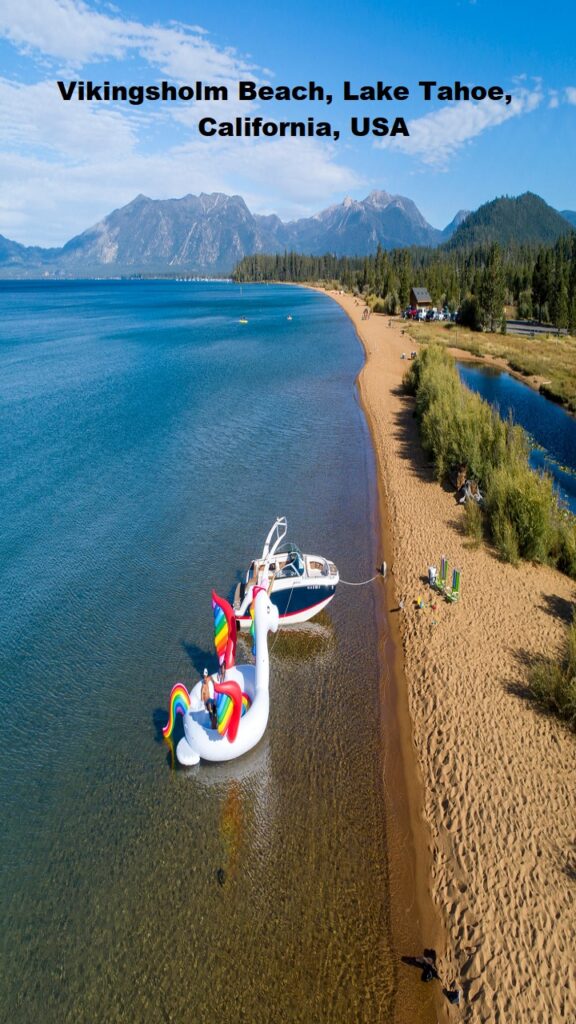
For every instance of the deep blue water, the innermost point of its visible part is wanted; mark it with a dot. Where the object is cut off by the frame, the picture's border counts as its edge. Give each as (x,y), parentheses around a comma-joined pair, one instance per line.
(147,442)
(549,426)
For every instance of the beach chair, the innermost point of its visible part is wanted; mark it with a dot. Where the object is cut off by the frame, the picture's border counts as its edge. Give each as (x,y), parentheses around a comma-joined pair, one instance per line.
(454,592)
(442,579)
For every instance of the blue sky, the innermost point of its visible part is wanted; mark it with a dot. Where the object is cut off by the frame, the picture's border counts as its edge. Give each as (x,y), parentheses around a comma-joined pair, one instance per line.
(66,165)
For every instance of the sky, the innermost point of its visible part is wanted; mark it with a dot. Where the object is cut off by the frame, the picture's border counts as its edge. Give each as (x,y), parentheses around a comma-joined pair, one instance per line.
(64,165)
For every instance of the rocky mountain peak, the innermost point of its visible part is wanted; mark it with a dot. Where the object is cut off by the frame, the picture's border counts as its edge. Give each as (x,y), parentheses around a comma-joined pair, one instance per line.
(207,234)
(379,199)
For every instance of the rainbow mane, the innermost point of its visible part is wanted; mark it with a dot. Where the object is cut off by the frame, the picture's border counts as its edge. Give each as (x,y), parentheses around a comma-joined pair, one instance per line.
(224,709)
(179,702)
(224,630)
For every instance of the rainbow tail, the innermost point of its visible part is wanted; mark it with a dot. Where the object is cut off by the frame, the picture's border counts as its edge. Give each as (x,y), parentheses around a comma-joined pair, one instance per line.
(229,711)
(225,709)
(179,701)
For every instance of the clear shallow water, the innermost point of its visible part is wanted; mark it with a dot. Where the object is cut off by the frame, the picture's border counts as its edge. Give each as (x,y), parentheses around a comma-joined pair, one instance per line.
(148,440)
(553,429)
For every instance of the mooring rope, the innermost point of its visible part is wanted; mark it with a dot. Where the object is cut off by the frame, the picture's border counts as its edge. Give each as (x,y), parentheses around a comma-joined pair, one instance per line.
(362,583)
(381,572)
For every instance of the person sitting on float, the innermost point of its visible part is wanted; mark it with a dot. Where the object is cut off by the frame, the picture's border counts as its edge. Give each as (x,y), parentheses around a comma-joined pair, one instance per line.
(207,696)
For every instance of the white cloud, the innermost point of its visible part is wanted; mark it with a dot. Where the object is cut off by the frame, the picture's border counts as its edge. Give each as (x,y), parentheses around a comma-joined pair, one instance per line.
(570,94)
(35,213)
(436,137)
(290,177)
(69,31)
(65,166)
(33,118)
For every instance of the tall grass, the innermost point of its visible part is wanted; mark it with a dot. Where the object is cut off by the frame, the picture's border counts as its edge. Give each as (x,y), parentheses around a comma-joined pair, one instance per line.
(521,512)
(522,508)
(554,684)
(474,522)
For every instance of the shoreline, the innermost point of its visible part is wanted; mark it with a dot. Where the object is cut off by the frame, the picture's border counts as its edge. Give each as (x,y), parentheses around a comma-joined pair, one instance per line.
(498,775)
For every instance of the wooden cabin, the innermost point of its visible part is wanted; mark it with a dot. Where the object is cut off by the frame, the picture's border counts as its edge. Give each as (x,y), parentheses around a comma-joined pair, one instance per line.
(420,298)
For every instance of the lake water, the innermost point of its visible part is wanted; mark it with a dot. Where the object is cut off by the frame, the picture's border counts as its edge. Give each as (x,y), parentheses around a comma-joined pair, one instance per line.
(549,426)
(148,441)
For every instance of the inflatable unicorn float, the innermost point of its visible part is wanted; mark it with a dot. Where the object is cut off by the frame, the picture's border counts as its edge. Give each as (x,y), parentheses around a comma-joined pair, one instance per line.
(241,694)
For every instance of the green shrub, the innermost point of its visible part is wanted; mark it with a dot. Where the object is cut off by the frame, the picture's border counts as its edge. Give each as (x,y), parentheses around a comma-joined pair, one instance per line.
(525,305)
(473,521)
(522,507)
(458,428)
(565,546)
(554,684)
(392,303)
(505,539)
(470,313)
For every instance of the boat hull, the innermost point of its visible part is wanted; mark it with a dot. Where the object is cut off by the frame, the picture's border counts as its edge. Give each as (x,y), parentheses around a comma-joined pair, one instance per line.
(296,604)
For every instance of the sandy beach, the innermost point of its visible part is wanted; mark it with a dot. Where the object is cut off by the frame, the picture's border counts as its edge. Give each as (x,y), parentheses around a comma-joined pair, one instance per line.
(498,775)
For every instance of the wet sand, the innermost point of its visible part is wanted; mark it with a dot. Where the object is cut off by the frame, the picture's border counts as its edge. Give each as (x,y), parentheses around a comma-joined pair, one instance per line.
(499,775)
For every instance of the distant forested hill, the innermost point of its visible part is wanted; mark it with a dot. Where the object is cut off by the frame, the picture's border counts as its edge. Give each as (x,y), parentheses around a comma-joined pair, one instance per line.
(524,220)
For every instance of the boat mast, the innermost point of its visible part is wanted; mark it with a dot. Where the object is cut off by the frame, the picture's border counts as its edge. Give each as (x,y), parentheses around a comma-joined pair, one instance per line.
(280,527)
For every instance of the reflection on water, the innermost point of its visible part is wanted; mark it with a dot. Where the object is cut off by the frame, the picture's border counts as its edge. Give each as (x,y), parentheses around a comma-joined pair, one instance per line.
(552,429)
(309,641)
(149,446)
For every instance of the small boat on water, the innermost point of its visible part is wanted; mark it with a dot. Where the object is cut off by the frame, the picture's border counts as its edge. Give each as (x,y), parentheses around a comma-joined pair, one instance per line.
(299,585)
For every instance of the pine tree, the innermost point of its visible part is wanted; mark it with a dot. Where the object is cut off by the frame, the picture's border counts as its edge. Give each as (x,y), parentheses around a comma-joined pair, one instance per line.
(404,281)
(560,318)
(572,317)
(492,290)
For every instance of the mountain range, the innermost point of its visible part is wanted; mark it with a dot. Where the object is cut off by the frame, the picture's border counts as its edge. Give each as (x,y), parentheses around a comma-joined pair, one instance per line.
(207,235)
